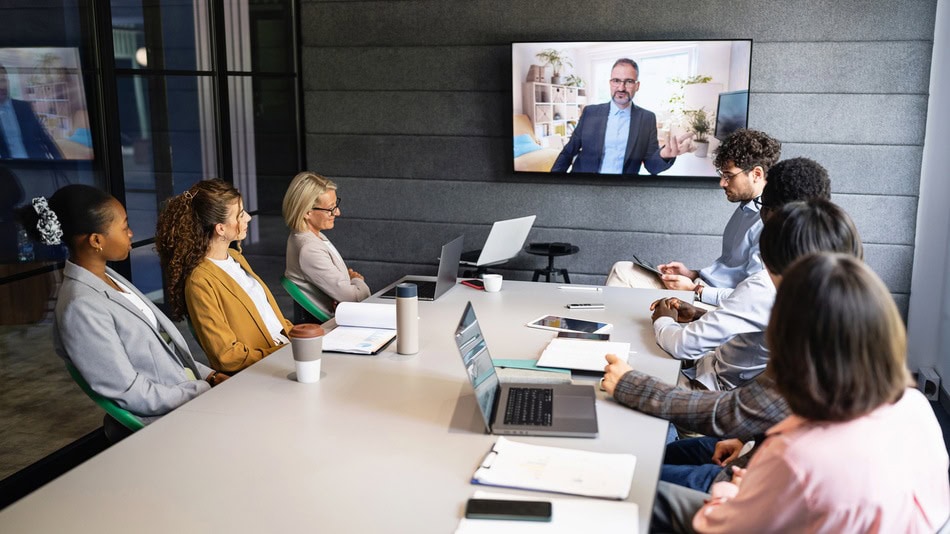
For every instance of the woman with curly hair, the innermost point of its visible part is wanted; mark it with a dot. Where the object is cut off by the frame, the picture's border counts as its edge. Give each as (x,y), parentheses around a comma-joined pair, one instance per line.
(121,344)
(234,315)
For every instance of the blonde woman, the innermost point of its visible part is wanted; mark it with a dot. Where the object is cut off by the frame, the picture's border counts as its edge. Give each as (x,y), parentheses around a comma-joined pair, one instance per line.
(311,206)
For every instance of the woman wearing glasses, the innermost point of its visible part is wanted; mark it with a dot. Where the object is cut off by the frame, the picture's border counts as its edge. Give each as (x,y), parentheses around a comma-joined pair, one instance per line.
(234,315)
(311,207)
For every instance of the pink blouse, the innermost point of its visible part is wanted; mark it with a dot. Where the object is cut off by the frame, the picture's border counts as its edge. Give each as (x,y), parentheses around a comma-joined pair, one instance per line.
(883,472)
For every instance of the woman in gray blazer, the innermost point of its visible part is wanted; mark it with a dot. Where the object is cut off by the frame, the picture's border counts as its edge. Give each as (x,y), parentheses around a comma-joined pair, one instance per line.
(124,346)
(313,263)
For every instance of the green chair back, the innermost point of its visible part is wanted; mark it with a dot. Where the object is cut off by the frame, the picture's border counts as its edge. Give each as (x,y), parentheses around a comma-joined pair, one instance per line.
(125,417)
(303,301)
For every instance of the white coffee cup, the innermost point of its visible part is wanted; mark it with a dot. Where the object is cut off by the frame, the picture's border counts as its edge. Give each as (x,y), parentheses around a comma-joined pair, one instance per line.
(307,344)
(492,282)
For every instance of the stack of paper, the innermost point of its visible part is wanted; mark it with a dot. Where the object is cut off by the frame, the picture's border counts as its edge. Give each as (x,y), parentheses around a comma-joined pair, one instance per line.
(535,467)
(362,328)
(581,354)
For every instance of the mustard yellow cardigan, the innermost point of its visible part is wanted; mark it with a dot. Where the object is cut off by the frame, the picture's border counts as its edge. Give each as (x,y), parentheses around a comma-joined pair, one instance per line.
(226,321)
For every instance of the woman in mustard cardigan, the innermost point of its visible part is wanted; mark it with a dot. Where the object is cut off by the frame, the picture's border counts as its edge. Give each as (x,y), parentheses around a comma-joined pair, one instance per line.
(234,315)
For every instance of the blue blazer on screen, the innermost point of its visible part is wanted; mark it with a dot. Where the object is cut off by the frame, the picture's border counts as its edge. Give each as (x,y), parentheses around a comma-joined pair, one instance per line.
(586,147)
(36,141)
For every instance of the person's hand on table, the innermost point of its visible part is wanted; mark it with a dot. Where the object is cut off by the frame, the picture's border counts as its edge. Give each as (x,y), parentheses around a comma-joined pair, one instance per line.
(726,451)
(685,312)
(663,308)
(613,372)
(216,377)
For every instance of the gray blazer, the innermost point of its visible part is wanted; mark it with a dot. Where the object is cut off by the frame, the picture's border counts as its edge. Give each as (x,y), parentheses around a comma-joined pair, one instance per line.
(116,349)
(319,273)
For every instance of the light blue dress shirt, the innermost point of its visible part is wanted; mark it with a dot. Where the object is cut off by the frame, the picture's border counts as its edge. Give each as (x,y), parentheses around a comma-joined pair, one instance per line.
(740,254)
(615,140)
(11,130)
(728,343)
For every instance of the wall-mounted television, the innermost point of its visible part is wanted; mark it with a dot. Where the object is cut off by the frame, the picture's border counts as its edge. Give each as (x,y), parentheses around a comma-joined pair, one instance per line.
(43,113)
(577,109)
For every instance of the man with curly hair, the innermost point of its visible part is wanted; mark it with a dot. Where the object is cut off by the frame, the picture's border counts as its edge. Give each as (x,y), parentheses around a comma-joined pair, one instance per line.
(742,161)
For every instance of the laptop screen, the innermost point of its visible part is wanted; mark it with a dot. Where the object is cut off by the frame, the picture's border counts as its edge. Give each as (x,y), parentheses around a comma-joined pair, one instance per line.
(477,361)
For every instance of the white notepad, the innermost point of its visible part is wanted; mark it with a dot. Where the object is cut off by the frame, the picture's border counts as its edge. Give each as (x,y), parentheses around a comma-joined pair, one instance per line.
(581,354)
(513,464)
(362,328)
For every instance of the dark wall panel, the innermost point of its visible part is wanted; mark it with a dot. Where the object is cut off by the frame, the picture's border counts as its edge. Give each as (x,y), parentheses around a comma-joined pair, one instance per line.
(408,109)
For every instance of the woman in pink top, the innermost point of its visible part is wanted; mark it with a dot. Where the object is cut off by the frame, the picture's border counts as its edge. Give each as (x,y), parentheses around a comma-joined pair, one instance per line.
(862,451)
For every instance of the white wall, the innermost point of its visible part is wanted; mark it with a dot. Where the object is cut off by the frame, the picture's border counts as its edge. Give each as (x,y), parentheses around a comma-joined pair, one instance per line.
(929,309)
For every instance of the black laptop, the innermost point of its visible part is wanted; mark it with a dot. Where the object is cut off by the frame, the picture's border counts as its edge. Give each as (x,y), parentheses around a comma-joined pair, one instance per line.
(448,269)
(564,410)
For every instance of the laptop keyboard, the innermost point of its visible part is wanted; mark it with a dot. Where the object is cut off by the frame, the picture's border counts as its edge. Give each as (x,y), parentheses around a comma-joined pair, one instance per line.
(530,406)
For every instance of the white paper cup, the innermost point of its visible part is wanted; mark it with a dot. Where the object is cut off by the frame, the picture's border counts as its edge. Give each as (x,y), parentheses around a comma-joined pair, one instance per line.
(492,282)
(308,372)
(307,344)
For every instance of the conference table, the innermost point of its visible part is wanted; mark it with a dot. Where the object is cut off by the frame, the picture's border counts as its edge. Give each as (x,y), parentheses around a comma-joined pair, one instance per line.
(384,443)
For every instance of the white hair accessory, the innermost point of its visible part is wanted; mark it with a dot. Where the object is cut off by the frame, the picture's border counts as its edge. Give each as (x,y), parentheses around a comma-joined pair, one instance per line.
(51,233)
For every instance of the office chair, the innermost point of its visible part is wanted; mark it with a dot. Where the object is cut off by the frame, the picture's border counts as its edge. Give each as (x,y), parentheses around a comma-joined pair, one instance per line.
(302,304)
(125,417)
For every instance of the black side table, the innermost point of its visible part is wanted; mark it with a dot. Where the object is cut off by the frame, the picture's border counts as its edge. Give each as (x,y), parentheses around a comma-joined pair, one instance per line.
(551,250)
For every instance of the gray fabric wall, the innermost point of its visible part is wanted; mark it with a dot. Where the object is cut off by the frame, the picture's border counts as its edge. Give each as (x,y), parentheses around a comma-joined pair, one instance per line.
(408,102)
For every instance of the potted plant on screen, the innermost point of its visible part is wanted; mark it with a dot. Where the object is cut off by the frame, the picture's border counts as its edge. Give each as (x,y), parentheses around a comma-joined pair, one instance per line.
(700,123)
(557,60)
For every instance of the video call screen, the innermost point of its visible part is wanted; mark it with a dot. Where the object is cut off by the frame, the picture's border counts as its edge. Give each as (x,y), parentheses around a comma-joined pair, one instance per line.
(43,113)
(684,84)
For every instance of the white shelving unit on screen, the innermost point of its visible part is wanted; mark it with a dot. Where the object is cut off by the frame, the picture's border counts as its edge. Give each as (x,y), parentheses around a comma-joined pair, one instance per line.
(553,109)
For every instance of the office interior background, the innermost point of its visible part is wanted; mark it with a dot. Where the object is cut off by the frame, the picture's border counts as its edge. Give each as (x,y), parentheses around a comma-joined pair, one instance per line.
(406,105)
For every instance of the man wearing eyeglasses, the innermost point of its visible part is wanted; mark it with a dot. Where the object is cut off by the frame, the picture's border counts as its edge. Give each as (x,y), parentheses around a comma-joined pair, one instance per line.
(618,136)
(742,161)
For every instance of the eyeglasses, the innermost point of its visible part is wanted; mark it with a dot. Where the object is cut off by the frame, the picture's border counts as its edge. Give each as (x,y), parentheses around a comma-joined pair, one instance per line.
(336,207)
(618,81)
(727,176)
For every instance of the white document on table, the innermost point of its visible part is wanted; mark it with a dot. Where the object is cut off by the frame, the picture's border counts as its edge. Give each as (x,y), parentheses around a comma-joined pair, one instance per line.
(518,465)
(362,328)
(581,354)
(568,516)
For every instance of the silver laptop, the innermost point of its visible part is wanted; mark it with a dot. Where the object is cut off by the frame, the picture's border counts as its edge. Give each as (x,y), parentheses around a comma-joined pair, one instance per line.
(565,410)
(504,242)
(447,277)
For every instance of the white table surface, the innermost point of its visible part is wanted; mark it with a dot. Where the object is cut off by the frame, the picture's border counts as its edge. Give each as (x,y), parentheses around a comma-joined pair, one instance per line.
(384,443)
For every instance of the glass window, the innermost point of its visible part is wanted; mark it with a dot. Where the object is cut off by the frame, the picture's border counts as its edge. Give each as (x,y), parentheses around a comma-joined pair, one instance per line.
(260,35)
(264,138)
(161,35)
(168,141)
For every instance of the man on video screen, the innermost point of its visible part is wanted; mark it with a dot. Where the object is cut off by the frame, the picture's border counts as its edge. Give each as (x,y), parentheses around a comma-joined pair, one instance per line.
(21,134)
(617,137)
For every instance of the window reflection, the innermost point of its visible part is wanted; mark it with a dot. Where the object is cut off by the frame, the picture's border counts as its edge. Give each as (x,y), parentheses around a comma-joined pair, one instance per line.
(168,141)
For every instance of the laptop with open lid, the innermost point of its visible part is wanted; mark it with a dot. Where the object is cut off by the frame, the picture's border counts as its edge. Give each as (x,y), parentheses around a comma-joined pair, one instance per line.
(505,241)
(564,410)
(448,269)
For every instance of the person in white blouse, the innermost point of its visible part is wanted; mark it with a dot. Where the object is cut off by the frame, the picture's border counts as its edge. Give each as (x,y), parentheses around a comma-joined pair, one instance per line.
(311,207)
(118,340)
(234,315)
